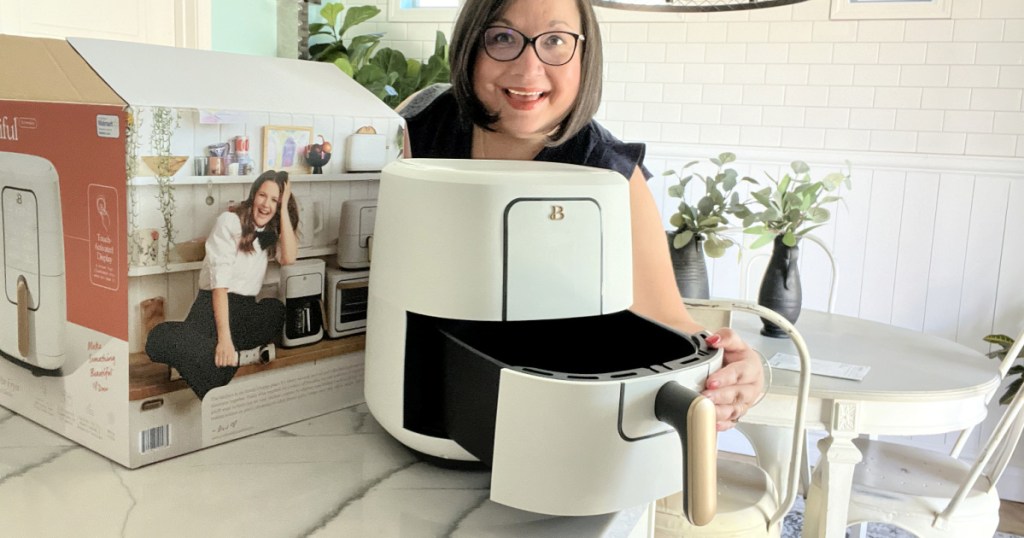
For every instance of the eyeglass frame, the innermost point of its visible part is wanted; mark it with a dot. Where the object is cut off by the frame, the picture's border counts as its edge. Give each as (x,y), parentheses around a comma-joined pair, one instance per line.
(532,41)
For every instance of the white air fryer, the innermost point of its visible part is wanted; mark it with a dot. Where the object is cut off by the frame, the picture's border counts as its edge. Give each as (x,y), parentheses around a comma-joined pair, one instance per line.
(33,314)
(355,233)
(301,289)
(498,332)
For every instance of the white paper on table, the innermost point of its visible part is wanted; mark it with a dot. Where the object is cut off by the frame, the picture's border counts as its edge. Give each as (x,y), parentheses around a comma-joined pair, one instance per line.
(785,361)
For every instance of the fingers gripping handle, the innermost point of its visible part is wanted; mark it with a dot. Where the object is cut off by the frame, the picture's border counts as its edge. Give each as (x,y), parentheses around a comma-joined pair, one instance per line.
(693,417)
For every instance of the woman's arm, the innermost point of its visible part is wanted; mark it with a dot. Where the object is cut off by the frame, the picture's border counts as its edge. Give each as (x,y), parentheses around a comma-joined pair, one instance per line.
(655,294)
(225,354)
(739,383)
(288,243)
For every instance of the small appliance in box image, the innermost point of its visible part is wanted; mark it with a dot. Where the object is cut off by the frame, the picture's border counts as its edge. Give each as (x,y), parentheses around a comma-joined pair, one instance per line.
(102,217)
(347,293)
(355,233)
(33,317)
(365,151)
(302,291)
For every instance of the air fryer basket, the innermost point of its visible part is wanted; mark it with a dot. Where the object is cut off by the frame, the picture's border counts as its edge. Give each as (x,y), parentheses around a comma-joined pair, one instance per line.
(612,347)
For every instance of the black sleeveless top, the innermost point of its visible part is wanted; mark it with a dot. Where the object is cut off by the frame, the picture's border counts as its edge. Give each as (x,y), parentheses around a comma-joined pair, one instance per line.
(436,130)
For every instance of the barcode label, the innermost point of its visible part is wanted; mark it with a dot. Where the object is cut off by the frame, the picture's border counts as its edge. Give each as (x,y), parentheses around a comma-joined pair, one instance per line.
(154,438)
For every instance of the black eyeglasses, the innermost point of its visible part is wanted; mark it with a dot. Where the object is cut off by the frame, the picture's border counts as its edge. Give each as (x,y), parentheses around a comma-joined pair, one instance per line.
(505,44)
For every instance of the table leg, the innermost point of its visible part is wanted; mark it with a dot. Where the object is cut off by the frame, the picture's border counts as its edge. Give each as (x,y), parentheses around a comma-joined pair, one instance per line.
(829,497)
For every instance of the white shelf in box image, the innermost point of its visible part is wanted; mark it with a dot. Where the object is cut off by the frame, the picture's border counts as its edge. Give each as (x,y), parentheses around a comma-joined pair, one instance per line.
(141,181)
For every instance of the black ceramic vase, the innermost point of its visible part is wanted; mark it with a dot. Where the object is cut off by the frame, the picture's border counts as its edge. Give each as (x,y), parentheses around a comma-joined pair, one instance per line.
(690,268)
(780,287)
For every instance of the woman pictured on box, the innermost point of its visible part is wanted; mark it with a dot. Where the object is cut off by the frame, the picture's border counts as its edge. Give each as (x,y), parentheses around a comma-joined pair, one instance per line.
(226,317)
(526,83)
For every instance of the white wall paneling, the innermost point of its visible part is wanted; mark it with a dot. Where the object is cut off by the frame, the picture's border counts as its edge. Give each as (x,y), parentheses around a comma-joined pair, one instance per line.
(916,237)
(930,244)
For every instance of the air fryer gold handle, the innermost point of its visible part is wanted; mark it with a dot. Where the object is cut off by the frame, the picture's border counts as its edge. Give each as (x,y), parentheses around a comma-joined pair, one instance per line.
(23,301)
(693,417)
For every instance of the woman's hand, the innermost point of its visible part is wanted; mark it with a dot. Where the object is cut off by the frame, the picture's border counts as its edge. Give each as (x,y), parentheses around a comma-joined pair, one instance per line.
(288,241)
(283,202)
(226,354)
(739,383)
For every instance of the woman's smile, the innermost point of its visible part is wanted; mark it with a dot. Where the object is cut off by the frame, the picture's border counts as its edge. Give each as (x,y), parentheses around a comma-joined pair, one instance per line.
(524,99)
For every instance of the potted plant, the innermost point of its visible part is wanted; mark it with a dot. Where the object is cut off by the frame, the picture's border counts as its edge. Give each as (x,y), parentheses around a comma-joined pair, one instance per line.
(1006,343)
(791,207)
(698,226)
(385,72)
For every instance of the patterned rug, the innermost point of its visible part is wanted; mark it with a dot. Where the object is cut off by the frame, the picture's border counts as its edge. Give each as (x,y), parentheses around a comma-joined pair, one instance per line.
(794,521)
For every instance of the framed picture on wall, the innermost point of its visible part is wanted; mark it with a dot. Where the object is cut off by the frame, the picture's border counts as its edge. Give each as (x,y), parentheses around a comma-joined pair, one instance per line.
(284,148)
(891,9)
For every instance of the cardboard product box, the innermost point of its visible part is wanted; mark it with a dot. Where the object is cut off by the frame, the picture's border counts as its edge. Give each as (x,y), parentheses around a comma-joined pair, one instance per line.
(115,161)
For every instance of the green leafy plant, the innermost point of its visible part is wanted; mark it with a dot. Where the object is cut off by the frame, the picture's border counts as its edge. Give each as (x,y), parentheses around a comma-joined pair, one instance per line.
(710,215)
(1005,343)
(387,73)
(353,56)
(793,205)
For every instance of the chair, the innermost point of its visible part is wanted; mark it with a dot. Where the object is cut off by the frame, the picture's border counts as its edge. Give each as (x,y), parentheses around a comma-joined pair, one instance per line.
(1004,368)
(751,502)
(930,493)
(762,437)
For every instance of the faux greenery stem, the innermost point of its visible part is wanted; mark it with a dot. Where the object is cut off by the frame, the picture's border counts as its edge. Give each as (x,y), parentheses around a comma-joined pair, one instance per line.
(133,124)
(710,215)
(793,205)
(165,122)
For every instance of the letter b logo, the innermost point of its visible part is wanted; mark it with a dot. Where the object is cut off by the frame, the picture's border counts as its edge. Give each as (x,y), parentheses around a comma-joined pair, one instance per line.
(557,212)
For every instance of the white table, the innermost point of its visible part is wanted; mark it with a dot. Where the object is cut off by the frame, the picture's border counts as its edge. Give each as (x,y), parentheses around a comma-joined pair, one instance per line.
(918,384)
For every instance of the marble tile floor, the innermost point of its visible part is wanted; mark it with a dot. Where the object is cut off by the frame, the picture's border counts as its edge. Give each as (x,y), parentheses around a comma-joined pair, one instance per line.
(338,474)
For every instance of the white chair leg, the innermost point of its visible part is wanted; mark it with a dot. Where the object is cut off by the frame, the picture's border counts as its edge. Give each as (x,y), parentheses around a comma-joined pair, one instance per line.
(805,473)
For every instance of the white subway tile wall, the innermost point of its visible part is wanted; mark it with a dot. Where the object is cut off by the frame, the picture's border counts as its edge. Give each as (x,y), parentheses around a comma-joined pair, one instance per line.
(805,81)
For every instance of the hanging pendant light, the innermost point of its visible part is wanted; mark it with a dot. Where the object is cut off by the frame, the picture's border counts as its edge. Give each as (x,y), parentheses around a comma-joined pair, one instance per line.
(691,5)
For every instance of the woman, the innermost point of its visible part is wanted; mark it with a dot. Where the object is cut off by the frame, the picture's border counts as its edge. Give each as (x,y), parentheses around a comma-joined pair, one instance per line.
(526,85)
(225,317)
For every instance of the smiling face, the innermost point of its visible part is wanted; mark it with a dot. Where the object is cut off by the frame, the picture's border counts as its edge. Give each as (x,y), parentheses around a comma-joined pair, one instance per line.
(264,203)
(529,96)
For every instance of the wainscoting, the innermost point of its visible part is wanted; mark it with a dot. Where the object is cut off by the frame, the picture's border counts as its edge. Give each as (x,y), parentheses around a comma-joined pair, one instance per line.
(927,242)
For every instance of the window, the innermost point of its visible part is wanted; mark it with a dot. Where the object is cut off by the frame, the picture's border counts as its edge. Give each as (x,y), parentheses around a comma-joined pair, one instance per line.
(423,10)
(892,9)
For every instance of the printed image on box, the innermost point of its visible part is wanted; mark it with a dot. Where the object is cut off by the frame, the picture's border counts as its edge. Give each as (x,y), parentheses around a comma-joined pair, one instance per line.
(136,219)
(237,252)
(33,317)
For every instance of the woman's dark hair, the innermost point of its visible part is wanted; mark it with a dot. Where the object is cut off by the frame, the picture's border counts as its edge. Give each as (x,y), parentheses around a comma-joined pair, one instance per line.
(474,18)
(244,212)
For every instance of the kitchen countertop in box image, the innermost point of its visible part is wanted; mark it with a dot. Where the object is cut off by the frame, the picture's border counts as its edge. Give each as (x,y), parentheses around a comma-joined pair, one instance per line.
(148,379)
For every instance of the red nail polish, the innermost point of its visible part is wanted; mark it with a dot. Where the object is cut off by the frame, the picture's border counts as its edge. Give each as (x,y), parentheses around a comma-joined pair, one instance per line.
(713,339)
